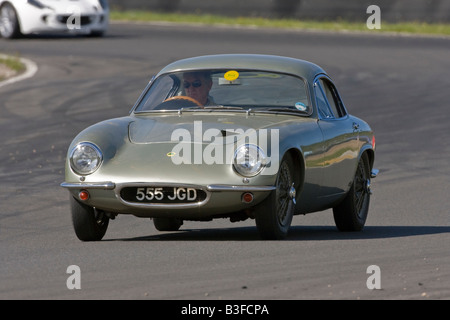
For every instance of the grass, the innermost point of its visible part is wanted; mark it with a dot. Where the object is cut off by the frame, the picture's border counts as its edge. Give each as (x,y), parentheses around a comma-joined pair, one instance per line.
(337,25)
(12,63)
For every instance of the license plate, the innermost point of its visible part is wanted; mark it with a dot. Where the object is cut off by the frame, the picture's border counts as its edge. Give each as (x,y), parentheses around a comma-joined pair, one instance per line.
(163,194)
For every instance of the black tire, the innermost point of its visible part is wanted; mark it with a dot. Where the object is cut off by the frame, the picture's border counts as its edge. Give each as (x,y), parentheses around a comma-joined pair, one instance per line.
(351,213)
(96,34)
(274,215)
(167,224)
(89,223)
(9,23)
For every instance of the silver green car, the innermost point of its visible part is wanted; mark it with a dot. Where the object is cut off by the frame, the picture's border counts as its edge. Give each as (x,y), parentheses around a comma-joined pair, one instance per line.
(232,136)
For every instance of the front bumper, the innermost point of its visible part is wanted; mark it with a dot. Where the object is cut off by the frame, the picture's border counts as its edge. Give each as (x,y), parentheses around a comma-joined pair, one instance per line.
(51,22)
(219,200)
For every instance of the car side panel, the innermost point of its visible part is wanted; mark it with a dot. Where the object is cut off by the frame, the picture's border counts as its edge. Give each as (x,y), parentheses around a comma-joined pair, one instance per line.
(341,145)
(343,141)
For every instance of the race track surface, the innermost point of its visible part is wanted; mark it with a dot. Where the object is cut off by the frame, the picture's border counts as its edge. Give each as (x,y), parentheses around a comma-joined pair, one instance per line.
(398,84)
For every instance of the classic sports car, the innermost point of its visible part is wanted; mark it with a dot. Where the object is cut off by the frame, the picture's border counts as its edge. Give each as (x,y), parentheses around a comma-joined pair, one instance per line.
(225,136)
(22,17)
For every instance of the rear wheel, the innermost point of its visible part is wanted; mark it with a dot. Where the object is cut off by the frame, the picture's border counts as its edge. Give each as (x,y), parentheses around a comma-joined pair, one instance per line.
(89,223)
(9,23)
(351,213)
(274,215)
(167,224)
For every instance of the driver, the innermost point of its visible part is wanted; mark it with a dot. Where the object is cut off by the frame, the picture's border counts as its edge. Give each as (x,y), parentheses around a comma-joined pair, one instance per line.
(197,86)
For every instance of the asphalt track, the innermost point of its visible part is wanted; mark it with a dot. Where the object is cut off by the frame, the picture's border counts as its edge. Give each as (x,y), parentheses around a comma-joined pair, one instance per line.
(399,84)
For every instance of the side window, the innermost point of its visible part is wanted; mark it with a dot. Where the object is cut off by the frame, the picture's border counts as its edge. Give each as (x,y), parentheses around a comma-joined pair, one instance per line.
(330,98)
(327,92)
(322,105)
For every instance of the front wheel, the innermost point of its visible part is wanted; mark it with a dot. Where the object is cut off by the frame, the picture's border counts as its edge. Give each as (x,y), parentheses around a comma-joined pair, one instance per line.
(351,213)
(89,223)
(274,215)
(9,24)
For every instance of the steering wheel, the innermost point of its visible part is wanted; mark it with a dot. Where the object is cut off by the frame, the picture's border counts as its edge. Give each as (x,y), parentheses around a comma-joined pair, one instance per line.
(178,102)
(184,98)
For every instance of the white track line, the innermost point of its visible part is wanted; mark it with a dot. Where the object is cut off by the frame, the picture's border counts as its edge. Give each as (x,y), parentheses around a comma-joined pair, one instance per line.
(30,70)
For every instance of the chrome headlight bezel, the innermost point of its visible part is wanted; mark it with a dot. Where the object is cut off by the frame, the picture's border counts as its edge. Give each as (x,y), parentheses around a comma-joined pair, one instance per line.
(249,160)
(85,158)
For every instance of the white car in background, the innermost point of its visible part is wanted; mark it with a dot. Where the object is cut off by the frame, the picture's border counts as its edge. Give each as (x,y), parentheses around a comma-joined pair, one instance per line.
(23,17)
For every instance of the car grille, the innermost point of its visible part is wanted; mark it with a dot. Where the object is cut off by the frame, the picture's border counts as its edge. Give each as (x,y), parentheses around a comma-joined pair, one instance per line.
(84,20)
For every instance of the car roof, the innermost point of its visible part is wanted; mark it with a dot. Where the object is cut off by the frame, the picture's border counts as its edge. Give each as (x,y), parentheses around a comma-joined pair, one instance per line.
(271,63)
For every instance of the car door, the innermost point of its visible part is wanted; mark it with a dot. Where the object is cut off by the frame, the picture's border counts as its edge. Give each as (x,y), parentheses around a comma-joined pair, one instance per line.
(340,147)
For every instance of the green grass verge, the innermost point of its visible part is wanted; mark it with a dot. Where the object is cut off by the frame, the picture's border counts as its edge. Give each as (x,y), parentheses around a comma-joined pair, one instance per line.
(338,25)
(12,63)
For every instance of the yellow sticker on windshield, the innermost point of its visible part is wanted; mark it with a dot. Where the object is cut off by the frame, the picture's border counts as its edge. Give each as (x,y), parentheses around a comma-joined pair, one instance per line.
(231,75)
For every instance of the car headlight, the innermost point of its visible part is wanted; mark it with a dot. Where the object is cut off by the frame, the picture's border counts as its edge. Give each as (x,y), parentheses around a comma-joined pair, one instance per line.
(249,160)
(85,158)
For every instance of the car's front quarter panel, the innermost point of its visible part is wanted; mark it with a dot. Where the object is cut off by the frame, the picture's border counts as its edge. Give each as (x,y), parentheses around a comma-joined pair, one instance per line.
(109,136)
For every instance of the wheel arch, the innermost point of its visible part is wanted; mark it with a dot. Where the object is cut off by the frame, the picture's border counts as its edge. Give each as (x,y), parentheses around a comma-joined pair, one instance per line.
(299,174)
(370,154)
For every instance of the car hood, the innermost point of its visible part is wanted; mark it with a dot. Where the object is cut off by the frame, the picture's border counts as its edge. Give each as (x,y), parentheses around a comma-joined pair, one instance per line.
(203,127)
(72,6)
(152,147)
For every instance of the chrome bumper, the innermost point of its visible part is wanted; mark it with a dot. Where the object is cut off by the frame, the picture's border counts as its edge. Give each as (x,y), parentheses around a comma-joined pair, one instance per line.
(94,185)
(227,191)
(374,173)
(211,188)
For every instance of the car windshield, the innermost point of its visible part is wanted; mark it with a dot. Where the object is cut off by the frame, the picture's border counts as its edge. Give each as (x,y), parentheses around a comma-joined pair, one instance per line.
(225,89)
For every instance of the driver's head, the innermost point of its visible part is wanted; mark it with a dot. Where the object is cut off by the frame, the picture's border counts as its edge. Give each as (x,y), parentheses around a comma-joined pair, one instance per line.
(197,85)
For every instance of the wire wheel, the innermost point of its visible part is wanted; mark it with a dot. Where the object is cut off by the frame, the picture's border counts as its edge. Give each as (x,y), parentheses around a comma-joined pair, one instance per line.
(361,190)
(351,213)
(283,200)
(274,214)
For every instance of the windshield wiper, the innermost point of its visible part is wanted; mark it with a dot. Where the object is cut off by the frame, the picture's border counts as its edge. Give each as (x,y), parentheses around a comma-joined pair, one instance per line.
(218,107)
(281,109)
(224,107)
